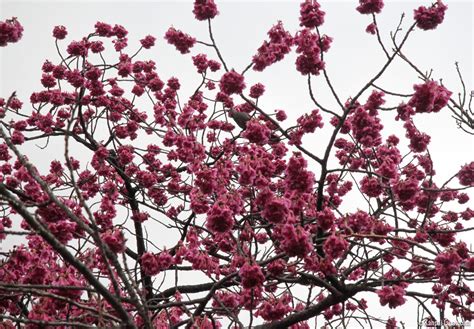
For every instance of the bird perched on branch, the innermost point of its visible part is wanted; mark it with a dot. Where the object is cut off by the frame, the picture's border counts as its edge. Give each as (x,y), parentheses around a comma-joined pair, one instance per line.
(240,118)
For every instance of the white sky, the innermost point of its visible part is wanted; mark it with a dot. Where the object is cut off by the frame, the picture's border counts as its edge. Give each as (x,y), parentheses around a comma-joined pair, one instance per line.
(239,30)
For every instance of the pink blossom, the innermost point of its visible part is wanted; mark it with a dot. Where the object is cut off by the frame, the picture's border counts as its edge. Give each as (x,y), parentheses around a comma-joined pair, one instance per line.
(220,219)
(310,14)
(297,177)
(232,83)
(227,300)
(466,175)
(77,48)
(213,66)
(418,141)
(97,47)
(257,90)
(281,115)
(149,263)
(391,324)
(366,127)
(148,41)
(430,18)
(371,186)
(59,32)
(200,62)
(275,308)
(446,265)
(309,61)
(182,41)
(404,111)
(391,295)
(371,28)
(251,276)
(429,97)
(274,50)
(406,189)
(115,240)
(325,218)
(256,132)
(11,31)
(309,122)
(119,31)
(103,29)
(335,246)
(295,241)
(48,81)
(370,6)
(205,9)
(276,210)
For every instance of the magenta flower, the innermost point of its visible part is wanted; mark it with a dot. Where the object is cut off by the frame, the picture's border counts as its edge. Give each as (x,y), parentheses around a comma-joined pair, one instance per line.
(273,50)
(232,83)
(370,6)
(391,295)
(148,41)
(220,219)
(10,31)
(205,9)
(335,246)
(310,14)
(430,18)
(466,175)
(429,97)
(276,210)
(182,41)
(59,32)
(251,276)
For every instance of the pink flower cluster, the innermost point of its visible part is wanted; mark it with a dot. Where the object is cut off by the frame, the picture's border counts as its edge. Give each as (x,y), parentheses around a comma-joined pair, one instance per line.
(228,302)
(466,175)
(251,276)
(391,295)
(370,6)
(310,14)
(182,41)
(371,186)
(232,83)
(335,246)
(430,18)
(418,141)
(60,32)
(10,31)
(366,128)
(277,210)
(307,123)
(205,9)
(148,41)
(257,90)
(297,177)
(201,62)
(275,308)
(274,50)
(256,132)
(152,264)
(115,240)
(309,46)
(429,97)
(446,265)
(295,240)
(220,219)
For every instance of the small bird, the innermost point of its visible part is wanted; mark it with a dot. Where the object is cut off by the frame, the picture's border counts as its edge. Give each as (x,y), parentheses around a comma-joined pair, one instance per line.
(240,118)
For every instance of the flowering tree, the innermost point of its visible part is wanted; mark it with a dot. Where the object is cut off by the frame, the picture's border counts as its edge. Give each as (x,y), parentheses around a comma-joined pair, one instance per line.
(277,234)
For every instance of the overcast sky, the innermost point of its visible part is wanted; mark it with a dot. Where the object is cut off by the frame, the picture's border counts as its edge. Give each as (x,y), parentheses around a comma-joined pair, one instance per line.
(240,28)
